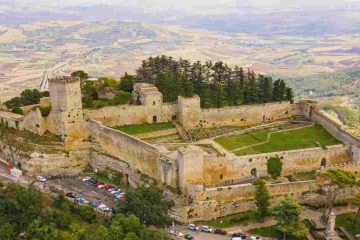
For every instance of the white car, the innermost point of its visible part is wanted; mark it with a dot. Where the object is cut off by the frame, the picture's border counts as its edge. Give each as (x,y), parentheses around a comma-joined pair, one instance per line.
(41,179)
(85,179)
(206,229)
(255,238)
(111,189)
(101,186)
(115,191)
(103,207)
(193,227)
(179,234)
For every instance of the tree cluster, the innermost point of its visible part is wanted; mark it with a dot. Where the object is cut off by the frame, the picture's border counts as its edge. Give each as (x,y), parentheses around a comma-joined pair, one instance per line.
(216,83)
(93,90)
(27,212)
(27,97)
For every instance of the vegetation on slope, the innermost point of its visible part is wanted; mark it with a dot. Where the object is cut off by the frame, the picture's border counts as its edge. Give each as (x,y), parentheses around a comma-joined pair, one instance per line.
(27,97)
(144,128)
(40,217)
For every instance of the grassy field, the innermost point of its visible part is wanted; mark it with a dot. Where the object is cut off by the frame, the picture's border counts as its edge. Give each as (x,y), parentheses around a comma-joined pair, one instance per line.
(346,220)
(144,128)
(233,220)
(279,141)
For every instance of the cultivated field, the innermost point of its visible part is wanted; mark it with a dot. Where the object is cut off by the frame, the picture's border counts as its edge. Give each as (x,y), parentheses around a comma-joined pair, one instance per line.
(287,137)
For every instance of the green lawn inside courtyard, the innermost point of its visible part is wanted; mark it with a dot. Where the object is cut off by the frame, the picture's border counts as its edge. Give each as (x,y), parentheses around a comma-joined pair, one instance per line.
(144,128)
(306,137)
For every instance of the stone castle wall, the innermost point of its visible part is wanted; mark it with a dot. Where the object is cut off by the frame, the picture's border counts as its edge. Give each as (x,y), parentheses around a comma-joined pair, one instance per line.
(211,170)
(138,154)
(129,114)
(333,128)
(247,114)
(213,203)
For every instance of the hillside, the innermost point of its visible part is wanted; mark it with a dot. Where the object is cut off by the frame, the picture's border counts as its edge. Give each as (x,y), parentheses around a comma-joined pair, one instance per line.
(111,47)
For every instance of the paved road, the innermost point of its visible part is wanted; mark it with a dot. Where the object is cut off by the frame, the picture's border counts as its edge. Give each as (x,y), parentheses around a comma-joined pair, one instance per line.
(200,235)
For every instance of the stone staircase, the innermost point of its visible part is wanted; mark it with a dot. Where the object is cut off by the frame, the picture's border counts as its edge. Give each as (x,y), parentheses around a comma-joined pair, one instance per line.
(182,131)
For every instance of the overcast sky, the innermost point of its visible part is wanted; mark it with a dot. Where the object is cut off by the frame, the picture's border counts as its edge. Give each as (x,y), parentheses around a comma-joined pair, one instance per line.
(194,5)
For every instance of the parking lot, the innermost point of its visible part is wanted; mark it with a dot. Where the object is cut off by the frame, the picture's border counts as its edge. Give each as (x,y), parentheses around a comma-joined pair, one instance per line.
(84,190)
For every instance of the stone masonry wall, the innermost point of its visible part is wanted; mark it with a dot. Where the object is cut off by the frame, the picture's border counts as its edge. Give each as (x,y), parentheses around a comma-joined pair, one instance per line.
(247,114)
(213,170)
(138,154)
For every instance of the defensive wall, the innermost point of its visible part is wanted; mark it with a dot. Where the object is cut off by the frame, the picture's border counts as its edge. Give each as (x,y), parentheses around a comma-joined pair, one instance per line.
(191,115)
(138,154)
(212,170)
(212,203)
(129,114)
(310,110)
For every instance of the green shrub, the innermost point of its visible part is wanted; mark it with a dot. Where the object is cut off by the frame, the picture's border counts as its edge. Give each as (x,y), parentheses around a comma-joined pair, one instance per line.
(17,110)
(274,166)
(45,111)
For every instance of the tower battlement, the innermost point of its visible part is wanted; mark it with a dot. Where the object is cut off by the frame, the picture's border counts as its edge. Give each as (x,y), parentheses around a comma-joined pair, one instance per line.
(64,79)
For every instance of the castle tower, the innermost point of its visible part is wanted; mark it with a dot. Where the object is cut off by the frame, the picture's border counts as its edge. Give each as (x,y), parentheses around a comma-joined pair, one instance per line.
(149,96)
(189,111)
(66,116)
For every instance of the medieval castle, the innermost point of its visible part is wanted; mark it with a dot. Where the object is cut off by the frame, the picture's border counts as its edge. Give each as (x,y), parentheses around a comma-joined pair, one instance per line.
(212,179)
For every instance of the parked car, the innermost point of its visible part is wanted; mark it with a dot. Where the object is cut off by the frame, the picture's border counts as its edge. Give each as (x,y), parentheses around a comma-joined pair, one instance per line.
(101,186)
(81,200)
(116,191)
(189,237)
(206,229)
(98,183)
(107,187)
(86,179)
(111,189)
(255,238)
(54,189)
(104,208)
(236,238)
(219,231)
(41,179)
(179,234)
(240,235)
(71,195)
(94,204)
(193,227)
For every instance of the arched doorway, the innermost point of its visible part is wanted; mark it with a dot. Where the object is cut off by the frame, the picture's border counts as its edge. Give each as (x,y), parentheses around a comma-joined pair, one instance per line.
(323,162)
(254,173)
(154,119)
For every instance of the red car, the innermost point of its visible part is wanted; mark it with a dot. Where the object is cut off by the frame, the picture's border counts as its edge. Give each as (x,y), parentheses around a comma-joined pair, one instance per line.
(107,187)
(98,183)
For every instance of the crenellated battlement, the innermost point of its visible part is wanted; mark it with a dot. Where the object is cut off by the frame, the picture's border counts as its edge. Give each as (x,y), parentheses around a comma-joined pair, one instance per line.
(62,79)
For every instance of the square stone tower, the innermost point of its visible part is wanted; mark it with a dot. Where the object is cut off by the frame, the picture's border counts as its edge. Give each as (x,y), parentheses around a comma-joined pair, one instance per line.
(66,116)
(149,96)
(189,111)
